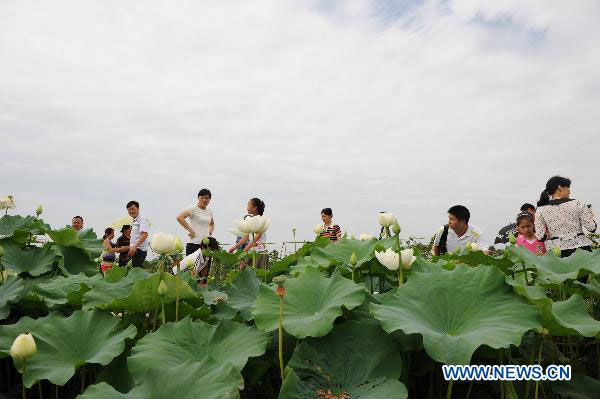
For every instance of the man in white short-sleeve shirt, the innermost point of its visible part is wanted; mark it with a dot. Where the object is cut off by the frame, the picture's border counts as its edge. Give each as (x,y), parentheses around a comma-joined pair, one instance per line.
(201,223)
(458,233)
(138,248)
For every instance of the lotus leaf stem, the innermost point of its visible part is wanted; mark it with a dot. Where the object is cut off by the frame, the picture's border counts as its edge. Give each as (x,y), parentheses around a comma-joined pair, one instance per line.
(537,382)
(40,389)
(155,316)
(163,309)
(400,276)
(281,337)
(449,391)
(82,380)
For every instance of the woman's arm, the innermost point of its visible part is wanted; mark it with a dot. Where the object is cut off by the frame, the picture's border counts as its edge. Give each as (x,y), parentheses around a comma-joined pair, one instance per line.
(181,219)
(241,242)
(253,243)
(587,219)
(540,226)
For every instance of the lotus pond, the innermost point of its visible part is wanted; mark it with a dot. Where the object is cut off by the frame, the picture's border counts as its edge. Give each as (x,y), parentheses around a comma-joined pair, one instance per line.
(326,322)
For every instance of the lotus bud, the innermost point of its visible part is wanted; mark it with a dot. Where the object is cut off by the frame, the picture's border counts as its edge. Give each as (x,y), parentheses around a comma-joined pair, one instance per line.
(396,227)
(556,251)
(1,251)
(318,229)
(23,347)
(407,258)
(163,243)
(178,245)
(390,259)
(189,264)
(353,259)
(38,210)
(205,240)
(386,219)
(162,288)
(471,247)
(511,238)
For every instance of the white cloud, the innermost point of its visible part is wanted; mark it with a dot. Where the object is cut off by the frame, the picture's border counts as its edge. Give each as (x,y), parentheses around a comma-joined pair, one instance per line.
(358,106)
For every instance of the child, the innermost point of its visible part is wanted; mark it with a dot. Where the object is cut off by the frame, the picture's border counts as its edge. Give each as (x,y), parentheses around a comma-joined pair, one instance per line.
(527,237)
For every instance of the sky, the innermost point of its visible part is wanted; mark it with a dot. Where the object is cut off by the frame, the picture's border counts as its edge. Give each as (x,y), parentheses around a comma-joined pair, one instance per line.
(362,106)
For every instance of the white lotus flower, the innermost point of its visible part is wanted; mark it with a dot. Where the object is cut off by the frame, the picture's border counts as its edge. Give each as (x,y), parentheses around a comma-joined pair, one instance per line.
(257,224)
(7,202)
(235,232)
(163,243)
(471,246)
(23,347)
(178,245)
(389,259)
(407,258)
(365,237)
(242,226)
(386,219)
(318,229)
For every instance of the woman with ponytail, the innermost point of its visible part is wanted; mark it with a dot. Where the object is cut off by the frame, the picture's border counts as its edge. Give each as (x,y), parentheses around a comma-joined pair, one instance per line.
(109,255)
(255,207)
(560,220)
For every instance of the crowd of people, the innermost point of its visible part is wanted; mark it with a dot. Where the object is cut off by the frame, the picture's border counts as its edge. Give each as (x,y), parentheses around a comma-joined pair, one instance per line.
(557,222)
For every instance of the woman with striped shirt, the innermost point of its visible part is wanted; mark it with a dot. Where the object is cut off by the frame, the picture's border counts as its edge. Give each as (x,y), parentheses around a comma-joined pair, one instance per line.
(331,231)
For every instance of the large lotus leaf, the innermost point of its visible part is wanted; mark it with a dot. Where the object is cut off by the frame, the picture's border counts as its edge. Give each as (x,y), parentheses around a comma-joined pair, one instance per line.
(357,358)
(62,290)
(65,344)
(84,239)
(243,292)
(19,228)
(553,269)
(204,380)
(13,289)
(475,258)
(342,250)
(105,290)
(311,303)
(457,311)
(572,314)
(224,257)
(9,332)
(212,297)
(228,343)
(75,260)
(143,296)
(32,260)
(593,286)
(579,387)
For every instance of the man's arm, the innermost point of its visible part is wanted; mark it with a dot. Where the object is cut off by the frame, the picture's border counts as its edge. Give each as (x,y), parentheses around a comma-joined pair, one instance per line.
(436,250)
(134,247)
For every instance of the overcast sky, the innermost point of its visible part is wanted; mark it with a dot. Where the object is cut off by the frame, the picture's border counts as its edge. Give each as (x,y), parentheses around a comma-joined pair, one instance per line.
(360,106)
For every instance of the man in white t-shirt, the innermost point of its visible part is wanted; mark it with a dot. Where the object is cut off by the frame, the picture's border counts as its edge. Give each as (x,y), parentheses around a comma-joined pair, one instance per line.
(201,223)
(139,246)
(457,233)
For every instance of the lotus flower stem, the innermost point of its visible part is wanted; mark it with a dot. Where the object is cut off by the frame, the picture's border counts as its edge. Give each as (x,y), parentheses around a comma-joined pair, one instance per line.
(163,309)
(40,389)
(177,295)
(449,390)
(254,259)
(82,380)
(400,276)
(155,317)
(281,337)
(23,377)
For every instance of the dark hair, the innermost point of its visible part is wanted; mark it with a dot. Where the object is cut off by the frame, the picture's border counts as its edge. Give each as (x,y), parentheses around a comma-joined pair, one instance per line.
(524,215)
(137,204)
(213,244)
(125,227)
(260,206)
(327,211)
(526,206)
(460,212)
(551,187)
(77,217)
(204,191)
(108,231)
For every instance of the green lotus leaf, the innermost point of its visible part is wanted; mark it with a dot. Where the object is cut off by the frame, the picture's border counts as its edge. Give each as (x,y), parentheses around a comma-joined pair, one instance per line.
(65,344)
(593,286)
(143,294)
(224,257)
(32,260)
(115,286)
(342,250)
(75,260)
(212,297)
(9,332)
(13,289)
(579,387)
(458,311)
(552,269)
(311,303)
(84,239)
(62,290)
(356,358)
(572,315)
(203,380)
(243,292)
(19,228)
(228,343)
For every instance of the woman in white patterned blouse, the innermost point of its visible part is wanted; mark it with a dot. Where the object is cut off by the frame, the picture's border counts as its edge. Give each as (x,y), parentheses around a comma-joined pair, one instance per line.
(560,220)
